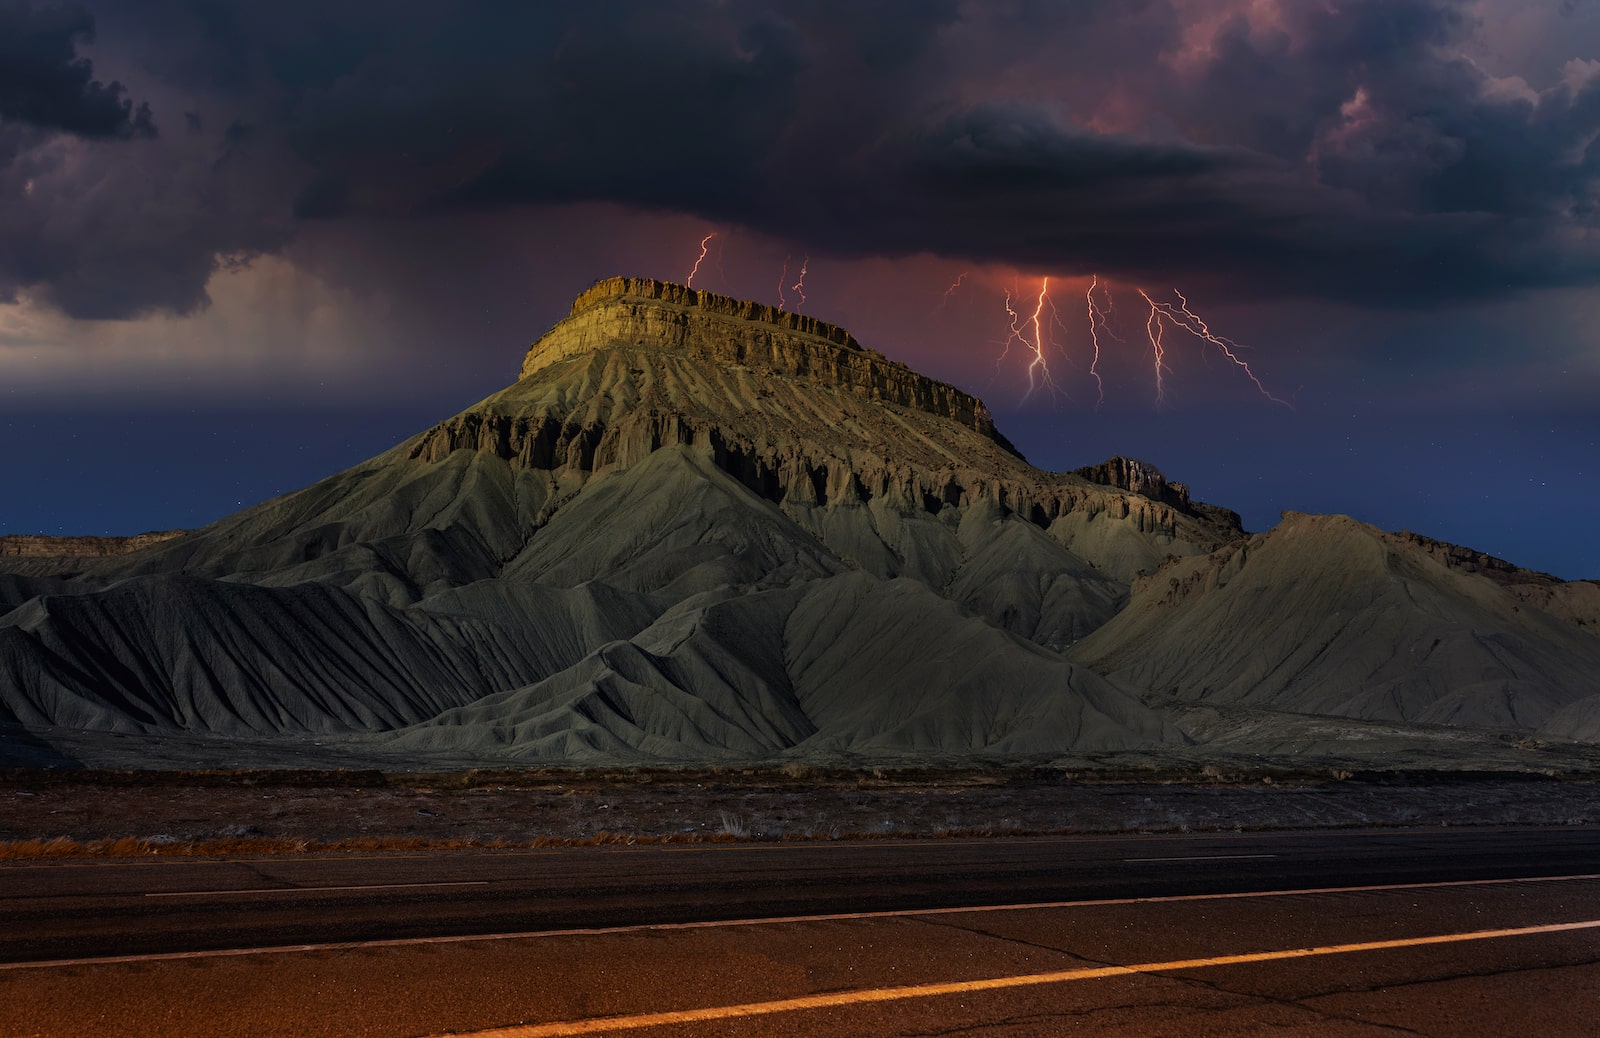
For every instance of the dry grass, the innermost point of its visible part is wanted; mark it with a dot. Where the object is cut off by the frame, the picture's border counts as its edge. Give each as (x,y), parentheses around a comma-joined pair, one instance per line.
(141,814)
(154,846)
(147,846)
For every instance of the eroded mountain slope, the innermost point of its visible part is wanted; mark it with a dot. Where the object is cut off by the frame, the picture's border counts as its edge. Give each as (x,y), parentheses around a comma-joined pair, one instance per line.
(664,449)
(699,528)
(876,462)
(844,666)
(1325,615)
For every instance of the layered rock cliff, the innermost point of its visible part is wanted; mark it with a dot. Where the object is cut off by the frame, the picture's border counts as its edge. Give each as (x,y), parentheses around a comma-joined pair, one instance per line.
(43,546)
(646,545)
(800,413)
(717,329)
(1576,601)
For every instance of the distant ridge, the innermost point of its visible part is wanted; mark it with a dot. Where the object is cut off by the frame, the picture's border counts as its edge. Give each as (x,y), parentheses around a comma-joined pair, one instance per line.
(44,546)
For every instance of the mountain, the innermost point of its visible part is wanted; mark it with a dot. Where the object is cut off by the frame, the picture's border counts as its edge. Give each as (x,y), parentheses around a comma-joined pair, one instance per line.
(1325,615)
(697,528)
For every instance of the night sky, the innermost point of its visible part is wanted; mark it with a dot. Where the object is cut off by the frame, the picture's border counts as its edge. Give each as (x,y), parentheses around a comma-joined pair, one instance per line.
(244,245)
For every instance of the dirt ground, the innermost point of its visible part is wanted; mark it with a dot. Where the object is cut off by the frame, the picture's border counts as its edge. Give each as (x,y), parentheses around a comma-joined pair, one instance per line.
(194,812)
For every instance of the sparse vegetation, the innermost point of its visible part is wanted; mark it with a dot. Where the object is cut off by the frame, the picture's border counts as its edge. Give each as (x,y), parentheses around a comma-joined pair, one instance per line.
(733,825)
(136,814)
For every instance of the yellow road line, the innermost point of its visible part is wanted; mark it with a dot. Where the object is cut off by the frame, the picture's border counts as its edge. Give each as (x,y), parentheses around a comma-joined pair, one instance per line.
(834,1000)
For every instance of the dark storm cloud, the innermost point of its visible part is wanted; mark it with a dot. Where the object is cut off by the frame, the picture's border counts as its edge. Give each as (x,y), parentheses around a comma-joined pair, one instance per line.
(1349,150)
(1008,183)
(113,227)
(1376,98)
(45,83)
(650,106)
(1346,150)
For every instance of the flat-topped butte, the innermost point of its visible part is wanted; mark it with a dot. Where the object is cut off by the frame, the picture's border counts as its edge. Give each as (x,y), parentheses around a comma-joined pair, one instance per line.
(649,314)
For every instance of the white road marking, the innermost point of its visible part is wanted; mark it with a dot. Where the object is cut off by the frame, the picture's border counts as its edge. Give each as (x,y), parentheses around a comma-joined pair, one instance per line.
(1205,857)
(318,890)
(835,999)
(907,913)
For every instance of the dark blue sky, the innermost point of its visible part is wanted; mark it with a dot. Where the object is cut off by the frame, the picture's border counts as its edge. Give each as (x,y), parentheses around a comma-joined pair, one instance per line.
(242,247)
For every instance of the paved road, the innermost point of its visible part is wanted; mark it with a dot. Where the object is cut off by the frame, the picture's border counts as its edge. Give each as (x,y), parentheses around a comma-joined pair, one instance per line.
(92,909)
(1451,930)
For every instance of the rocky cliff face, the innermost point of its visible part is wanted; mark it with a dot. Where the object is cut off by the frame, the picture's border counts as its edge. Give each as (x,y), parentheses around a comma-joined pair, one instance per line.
(794,472)
(849,443)
(718,329)
(1468,560)
(40,546)
(1577,601)
(1144,479)
(1139,477)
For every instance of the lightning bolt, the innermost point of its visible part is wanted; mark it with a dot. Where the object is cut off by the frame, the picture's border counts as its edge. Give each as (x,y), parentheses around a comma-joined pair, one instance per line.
(688,282)
(1039,364)
(953,286)
(800,285)
(783,276)
(1153,328)
(1181,316)
(1098,324)
(1036,329)
(1227,346)
(1014,321)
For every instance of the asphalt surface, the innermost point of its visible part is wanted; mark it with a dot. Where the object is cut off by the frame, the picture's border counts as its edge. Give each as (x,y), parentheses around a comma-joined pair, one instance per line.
(1434,932)
(92,909)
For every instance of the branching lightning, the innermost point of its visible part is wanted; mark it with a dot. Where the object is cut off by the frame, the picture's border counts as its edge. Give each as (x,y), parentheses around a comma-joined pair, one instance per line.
(1153,328)
(953,286)
(1181,316)
(1038,332)
(1014,320)
(688,282)
(800,285)
(1037,327)
(1097,324)
(1039,364)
